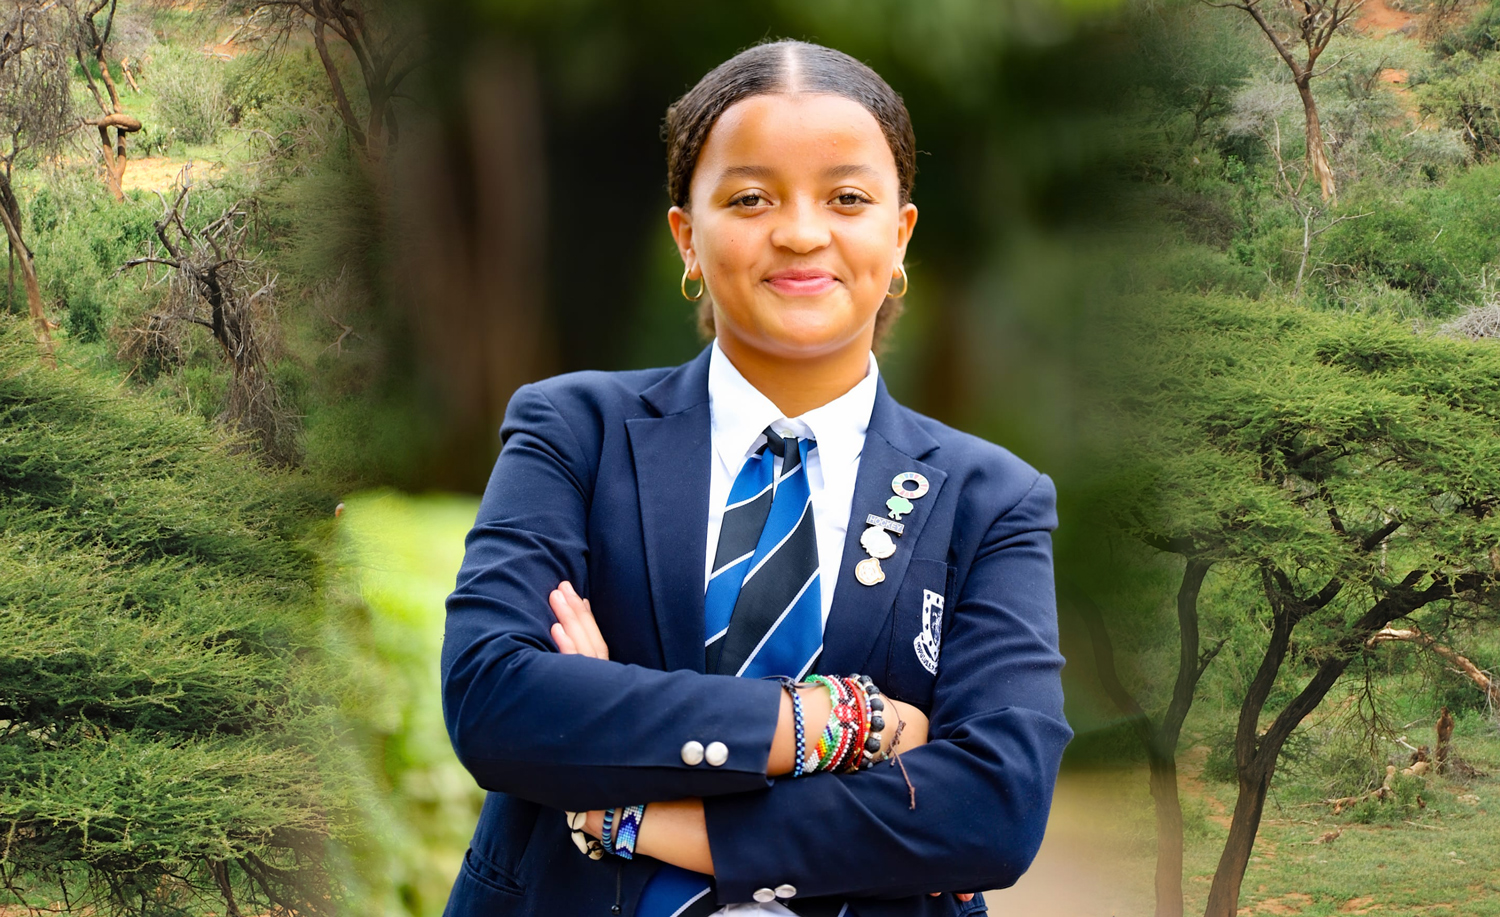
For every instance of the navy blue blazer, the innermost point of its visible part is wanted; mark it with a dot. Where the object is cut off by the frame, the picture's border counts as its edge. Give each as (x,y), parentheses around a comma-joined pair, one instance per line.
(603,481)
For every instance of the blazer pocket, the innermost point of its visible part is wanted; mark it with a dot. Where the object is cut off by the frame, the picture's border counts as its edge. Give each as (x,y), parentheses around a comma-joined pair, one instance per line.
(917,627)
(489,876)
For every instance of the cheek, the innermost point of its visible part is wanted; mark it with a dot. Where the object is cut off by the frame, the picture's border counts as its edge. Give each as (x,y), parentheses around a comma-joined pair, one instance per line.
(726,253)
(872,250)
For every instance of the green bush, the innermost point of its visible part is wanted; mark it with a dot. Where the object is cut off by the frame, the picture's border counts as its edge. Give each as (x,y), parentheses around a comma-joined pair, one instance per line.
(1431,243)
(189,99)
(163,714)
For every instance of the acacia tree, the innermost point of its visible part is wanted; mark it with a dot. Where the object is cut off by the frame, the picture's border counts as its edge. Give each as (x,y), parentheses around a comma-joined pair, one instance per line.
(1347,464)
(34,113)
(91,43)
(1312,25)
(1159,735)
(384,47)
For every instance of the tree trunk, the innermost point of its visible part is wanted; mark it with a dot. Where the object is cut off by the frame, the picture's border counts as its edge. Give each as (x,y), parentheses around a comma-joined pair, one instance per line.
(1224,896)
(1255,752)
(1160,739)
(114,161)
(1317,156)
(39,322)
(1168,835)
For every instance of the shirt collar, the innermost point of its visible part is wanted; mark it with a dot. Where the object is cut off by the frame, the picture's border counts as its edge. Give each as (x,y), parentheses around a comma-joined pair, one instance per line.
(740,414)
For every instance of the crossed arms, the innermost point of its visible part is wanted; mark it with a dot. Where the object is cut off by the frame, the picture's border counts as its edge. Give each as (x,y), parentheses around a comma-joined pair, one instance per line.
(580,733)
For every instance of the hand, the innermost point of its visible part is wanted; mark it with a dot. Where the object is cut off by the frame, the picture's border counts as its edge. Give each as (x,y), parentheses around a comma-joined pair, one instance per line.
(575,633)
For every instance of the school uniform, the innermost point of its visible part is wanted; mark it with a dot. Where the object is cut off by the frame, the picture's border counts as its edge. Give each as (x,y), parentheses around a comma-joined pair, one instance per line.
(615,482)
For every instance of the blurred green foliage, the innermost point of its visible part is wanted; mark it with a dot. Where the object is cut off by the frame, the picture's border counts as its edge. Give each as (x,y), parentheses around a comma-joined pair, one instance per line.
(401,554)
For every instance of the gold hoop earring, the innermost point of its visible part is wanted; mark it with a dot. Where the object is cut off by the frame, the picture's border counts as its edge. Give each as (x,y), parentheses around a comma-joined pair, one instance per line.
(904,283)
(702,286)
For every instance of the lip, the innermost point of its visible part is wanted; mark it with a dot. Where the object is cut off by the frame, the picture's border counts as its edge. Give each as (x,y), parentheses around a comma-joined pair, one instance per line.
(801,282)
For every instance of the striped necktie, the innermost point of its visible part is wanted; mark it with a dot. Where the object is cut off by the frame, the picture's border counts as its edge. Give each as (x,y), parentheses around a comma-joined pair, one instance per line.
(763,611)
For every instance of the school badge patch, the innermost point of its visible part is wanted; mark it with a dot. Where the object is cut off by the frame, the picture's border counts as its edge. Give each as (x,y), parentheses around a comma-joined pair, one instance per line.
(930,640)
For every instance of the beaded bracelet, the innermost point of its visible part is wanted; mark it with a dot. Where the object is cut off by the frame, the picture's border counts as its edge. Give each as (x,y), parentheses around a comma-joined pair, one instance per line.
(842,726)
(798,726)
(832,730)
(606,837)
(861,707)
(627,828)
(848,715)
(851,739)
(875,709)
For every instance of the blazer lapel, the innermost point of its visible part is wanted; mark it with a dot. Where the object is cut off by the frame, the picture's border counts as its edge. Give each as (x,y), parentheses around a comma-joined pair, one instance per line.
(894,443)
(671,457)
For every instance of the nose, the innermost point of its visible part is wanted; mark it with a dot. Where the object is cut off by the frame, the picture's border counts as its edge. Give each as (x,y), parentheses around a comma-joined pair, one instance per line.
(801,227)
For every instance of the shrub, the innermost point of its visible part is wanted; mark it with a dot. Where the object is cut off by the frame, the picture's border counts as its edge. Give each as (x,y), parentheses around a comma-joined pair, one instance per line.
(163,708)
(190,103)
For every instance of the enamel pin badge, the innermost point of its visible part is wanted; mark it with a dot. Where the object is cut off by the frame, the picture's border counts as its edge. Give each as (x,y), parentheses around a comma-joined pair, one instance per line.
(877,540)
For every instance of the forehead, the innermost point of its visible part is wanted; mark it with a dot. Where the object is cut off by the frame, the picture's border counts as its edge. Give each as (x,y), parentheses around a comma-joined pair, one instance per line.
(795,133)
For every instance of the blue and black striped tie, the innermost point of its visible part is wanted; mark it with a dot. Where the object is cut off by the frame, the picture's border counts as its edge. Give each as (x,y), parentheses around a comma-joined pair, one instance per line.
(763,611)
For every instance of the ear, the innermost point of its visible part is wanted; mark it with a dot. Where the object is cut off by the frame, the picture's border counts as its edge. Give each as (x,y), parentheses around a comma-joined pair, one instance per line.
(906,224)
(681,223)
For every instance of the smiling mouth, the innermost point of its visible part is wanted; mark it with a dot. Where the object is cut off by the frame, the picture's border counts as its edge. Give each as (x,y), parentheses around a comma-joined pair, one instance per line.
(802,283)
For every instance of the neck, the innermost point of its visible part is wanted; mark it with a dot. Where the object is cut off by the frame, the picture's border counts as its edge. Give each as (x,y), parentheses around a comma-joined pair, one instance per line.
(797,386)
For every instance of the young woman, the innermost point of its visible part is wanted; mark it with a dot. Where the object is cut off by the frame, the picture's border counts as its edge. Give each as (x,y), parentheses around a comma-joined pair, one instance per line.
(816,671)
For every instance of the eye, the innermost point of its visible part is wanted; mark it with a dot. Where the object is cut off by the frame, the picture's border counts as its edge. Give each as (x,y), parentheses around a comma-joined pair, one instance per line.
(751,199)
(851,199)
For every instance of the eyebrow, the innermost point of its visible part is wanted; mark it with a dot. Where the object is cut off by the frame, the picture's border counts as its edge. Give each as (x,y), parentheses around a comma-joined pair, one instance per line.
(851,170)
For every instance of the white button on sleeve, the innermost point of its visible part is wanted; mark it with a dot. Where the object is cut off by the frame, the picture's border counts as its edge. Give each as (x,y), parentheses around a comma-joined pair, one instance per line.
(786,891)
(764,895)
(717,753)
(692,753)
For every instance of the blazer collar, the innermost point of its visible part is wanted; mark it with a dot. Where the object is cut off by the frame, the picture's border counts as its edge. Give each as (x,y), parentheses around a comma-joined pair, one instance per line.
(681,389)
(671,456)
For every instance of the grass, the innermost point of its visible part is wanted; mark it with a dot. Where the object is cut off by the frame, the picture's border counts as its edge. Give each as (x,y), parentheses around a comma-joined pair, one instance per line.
(1392,858)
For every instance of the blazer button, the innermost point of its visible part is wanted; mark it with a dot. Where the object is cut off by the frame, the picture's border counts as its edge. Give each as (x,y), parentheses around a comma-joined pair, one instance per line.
(764,895)
(786,891)
(716,753)
(692,753)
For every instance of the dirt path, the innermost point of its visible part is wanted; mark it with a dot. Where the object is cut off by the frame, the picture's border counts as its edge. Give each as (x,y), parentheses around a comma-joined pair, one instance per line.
(1376,18)
(159,173)
(1098,856)
(1190,783)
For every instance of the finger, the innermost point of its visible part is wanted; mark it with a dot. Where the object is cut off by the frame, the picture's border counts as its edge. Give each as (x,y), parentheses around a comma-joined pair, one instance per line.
(586,615)
(564,643)
(966,896)
(568,618)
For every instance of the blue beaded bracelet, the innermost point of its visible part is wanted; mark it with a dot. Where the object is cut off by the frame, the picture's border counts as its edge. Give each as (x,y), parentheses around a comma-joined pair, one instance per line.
(626,830)
(605,835)
(797,725)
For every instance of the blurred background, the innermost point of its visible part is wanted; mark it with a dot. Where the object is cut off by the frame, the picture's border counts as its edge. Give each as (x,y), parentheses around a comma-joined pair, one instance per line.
(275,269)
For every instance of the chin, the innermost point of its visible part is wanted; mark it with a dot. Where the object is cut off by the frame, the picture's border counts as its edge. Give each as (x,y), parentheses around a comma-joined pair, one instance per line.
(807,341)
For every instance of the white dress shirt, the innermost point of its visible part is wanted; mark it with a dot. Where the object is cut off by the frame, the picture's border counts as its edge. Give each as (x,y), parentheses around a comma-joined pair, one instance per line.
(739,415)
